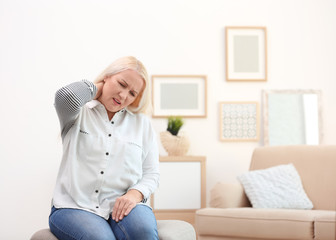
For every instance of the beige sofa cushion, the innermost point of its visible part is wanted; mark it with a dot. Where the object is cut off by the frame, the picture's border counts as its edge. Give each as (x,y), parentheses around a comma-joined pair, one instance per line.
(325,225)
(257,223)
(228,195)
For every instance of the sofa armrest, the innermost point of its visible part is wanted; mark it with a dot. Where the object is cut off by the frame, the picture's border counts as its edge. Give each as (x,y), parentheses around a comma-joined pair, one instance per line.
(228,195)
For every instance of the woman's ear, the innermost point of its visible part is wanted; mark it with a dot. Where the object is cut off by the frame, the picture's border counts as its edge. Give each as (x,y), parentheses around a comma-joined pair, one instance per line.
(136,102)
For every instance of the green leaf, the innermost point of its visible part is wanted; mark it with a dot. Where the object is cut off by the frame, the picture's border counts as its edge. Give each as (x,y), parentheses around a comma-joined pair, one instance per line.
(174,125)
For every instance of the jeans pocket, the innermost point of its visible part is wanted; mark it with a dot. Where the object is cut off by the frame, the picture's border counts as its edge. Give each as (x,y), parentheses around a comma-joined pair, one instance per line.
(53,209)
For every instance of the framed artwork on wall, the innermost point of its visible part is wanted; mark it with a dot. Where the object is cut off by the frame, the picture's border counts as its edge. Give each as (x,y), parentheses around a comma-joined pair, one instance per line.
(179,95)
(246,54)
(239,121)
(292,117)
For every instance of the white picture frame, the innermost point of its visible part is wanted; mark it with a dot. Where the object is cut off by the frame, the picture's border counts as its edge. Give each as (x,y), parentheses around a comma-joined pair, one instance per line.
(246,54)
(179,95)
(292,117)
(239,121)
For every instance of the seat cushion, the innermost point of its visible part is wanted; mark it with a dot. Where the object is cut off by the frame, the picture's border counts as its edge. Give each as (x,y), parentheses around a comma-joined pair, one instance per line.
(256,223)
(175,230)
(43,234)
(167,229)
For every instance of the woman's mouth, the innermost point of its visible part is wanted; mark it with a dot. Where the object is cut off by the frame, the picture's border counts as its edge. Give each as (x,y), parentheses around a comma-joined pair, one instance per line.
(116,101)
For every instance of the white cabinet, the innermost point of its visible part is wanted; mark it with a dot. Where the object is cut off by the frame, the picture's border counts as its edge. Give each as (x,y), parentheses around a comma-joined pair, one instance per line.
(182,188)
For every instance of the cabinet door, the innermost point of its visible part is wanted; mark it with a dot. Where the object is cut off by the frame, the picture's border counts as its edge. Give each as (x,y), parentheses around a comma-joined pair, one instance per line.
(180,186)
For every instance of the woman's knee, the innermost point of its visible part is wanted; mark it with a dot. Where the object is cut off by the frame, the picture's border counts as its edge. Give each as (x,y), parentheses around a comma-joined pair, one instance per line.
(140,231)
(140,224)
(147,231)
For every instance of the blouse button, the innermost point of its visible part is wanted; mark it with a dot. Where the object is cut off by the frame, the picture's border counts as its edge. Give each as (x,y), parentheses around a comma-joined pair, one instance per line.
(102,172)
(110,135)
(107,154)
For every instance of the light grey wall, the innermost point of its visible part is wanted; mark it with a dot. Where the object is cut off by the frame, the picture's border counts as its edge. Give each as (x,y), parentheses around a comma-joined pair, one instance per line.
(47,44)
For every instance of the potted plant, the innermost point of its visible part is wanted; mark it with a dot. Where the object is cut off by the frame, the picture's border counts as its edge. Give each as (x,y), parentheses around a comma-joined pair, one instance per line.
(174,144)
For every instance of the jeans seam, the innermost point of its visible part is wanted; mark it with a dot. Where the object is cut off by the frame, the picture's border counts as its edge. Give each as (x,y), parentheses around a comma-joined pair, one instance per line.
(123,230)
(68,235)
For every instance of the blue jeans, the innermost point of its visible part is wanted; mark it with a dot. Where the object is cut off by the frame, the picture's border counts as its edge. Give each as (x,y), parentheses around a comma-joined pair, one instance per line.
(76,224)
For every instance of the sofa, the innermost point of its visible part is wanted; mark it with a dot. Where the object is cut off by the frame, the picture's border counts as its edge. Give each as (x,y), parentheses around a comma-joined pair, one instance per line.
(230,214)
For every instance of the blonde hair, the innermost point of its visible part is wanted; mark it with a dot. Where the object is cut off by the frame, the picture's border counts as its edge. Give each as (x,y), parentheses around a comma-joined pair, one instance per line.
(142,103)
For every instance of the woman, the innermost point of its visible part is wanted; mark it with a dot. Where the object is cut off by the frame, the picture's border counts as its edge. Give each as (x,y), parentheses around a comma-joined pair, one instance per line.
(110,161)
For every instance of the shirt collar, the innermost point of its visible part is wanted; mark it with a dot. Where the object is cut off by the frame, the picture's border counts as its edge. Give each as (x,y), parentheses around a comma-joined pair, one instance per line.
(94,103)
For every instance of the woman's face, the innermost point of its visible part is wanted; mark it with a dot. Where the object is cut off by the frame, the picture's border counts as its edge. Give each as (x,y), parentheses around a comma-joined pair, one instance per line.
(120,90)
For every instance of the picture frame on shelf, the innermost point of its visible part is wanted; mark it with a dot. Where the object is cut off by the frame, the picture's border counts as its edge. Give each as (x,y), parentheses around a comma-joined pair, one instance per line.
(246,53)
(179,95)
(239,121)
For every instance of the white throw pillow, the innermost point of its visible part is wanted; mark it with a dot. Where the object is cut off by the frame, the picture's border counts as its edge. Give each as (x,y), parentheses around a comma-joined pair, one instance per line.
(275,187)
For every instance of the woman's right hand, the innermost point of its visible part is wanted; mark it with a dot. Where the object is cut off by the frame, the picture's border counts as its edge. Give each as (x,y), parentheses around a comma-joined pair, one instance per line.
(99,89)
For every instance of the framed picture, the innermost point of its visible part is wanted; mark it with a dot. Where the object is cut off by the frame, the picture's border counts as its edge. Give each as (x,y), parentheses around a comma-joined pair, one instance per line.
(246,54)
(292,117)
(179,95)
(239,121)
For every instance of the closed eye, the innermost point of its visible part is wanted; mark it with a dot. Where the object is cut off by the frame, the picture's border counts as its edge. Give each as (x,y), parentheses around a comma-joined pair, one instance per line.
(125,85)
(122,84)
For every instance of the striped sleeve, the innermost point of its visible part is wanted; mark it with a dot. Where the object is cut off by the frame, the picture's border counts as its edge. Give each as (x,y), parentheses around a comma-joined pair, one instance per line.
(70,99)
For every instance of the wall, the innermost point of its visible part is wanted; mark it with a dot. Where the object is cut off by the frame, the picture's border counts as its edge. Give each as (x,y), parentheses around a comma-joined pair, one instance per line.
(47,44)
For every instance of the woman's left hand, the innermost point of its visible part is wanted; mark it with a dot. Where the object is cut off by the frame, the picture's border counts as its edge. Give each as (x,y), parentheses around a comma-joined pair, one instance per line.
(124,204)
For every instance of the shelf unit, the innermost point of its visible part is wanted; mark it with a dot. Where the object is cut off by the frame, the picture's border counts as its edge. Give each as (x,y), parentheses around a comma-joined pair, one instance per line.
(182,188)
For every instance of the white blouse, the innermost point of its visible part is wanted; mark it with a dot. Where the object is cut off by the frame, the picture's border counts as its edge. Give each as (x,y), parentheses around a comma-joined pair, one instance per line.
(102,159)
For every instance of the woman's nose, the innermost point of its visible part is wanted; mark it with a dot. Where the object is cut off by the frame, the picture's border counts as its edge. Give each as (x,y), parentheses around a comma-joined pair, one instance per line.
(123,94)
